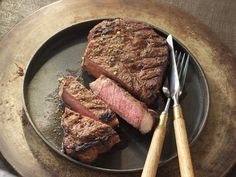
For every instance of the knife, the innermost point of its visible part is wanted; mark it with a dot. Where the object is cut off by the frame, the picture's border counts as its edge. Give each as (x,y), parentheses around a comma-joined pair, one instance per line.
(185,162)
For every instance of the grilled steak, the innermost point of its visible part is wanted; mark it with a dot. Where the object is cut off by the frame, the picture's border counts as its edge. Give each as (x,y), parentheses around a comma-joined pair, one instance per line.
(86,138)
(129,52)
(83,101)
(126,106)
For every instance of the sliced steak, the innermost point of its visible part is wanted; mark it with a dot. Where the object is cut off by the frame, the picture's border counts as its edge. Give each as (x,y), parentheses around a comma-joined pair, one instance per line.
(83,101)
(129,52)
(86,138)
(126,106)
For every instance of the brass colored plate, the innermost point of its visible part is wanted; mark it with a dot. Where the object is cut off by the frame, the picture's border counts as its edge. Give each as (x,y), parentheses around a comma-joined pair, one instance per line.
(213,153)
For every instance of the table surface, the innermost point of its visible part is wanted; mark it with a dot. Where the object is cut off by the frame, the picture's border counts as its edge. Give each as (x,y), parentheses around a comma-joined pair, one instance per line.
(218,16)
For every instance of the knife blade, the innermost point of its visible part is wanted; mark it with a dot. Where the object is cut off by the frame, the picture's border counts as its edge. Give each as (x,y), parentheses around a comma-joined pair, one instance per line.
(174,78)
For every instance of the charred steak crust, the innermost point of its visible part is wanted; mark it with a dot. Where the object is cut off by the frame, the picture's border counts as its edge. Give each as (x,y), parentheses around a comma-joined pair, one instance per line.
(86,138)
(129,52)
(85,102)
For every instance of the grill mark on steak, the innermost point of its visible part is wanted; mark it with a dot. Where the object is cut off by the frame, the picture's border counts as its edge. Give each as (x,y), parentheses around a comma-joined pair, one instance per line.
(154,52)
(83,101)
(149,73)
(146,63)
(85,138)
(126,106)
(122,49)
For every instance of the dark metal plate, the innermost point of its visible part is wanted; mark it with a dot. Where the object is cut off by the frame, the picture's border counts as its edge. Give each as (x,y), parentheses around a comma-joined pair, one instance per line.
(61,55)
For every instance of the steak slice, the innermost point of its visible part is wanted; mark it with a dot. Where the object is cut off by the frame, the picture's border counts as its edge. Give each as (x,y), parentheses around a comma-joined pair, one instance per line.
(130,109)
(83,101)
(85,138)
(129,52)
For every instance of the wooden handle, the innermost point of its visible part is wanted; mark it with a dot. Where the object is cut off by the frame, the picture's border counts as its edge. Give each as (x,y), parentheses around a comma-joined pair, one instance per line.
(185,162)
(154,152)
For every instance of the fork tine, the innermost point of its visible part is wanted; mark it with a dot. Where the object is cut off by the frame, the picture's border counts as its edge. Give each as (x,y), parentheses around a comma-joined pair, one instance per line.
(184,73)
(181,65)
(176,55)
(178,61)
(182,70)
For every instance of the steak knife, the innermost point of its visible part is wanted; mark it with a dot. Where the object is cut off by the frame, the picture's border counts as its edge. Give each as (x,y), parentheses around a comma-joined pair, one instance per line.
(185,162)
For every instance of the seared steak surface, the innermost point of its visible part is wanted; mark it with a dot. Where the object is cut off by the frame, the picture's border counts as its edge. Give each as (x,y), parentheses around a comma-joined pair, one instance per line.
(129,52)
(86,138)
(83,101)
(126,106)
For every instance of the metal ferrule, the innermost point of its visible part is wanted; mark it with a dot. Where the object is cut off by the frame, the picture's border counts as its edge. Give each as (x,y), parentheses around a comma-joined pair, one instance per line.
(175,99)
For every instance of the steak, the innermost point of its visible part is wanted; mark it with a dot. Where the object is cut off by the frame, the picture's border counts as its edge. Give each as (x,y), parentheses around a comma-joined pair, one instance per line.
(85,138)
(129,52)
(83,101)
(130,109)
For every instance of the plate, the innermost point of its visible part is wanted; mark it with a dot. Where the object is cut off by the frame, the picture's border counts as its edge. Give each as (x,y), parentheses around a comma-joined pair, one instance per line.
(61,55)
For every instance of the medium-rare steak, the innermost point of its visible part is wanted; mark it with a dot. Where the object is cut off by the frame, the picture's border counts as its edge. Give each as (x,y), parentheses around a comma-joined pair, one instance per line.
(86,138)
(129,52)
(126,106)
(83,101)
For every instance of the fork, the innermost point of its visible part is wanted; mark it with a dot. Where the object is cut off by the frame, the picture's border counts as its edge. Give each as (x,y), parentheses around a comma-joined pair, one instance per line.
(155,149)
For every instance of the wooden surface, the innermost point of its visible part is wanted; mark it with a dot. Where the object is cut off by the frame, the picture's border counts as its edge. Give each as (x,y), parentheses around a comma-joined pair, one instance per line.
(214,152)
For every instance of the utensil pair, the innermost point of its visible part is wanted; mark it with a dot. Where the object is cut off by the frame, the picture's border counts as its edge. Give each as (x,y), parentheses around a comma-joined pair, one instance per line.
(155,149)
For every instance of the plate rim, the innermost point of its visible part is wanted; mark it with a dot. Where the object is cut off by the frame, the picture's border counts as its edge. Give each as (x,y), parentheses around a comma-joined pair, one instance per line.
(202,75)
